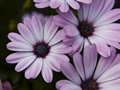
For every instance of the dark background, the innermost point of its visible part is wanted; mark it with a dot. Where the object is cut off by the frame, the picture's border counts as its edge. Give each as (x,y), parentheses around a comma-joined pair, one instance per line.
(11,12)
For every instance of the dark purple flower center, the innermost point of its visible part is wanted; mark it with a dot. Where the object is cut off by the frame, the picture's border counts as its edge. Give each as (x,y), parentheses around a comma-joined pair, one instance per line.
(86,29)
(89,85)
(41,50)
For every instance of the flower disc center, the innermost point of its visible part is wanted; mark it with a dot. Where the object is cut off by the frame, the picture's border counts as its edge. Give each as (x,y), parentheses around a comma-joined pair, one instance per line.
(41,50)
(89,85)
(86,29)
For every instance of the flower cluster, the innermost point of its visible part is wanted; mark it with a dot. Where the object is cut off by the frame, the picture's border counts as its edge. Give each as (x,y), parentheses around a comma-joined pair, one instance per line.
(42,46)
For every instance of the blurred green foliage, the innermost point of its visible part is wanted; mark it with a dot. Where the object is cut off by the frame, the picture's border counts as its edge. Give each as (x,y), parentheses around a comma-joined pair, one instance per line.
(11,12)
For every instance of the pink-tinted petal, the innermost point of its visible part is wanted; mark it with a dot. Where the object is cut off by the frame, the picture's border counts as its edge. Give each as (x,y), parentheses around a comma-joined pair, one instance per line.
(43,4)
(53,63)
(71,30)
(77,45)
(95,8)
(61,22)
(69,16)
(70,72)
(26,33)
(55,3)
(111,88)
(61,83)
(47,72)
(19,46)
(70,87)
(104,63)
(27,22)
(108,5)
(102,48)
(17,56)
(49,29)
(59,57)
(85,1)
(111,74)
(37,28)
(115,62)
(14,37)
(90,60)
(64,7)
(1,85)
(40,1)
(57,38)
(107,18)
(86,43)
(6,86)
(73,4)
(78,61)
(112,83)
(60,48)
(24,63)
(34,69)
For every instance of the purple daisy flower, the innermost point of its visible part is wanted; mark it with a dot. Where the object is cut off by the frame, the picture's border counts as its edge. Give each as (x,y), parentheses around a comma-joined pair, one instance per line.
(93,25)
(39,48)
(90,73)
(63,5)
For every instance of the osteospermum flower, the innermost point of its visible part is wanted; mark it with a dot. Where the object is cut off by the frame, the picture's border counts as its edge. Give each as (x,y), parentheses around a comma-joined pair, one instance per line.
(90,73)
(63,5)
(39,48)
(94,25)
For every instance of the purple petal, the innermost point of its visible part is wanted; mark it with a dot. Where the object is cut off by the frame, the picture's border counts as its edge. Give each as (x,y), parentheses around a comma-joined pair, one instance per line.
(14,37)
(70,72)
(47,72)
(24,63)
(71,30)
(59,21)
(73,4)
(27,22)
(64,7)
(26,33)
(78,61)
(59,57)
(37,28)
(61,83)
(49,29)
(34,69)
(1,85)
(90,60)
(17,57)
(70,87)
(6,86)
(19,46)
(104,63)
(43,4)
(57,38)
(111,74)
(55,3)
(69,16)
(85,1)
(107,18)
(60,48)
